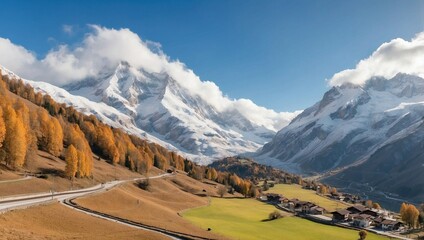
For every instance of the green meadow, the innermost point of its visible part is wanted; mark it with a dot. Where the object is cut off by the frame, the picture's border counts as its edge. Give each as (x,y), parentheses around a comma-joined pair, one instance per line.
(243,219)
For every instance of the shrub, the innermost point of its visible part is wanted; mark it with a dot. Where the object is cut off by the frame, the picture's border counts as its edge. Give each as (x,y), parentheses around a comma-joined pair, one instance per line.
(362,235)
(144,184)
(275,215)
(222,190)
(43,176)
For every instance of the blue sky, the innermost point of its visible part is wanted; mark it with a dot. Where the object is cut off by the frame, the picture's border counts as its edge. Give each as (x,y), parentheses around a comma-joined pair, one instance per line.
(277,53)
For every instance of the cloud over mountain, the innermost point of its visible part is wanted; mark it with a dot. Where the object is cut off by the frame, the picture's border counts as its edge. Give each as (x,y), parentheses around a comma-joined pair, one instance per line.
(104,48)
(390,58)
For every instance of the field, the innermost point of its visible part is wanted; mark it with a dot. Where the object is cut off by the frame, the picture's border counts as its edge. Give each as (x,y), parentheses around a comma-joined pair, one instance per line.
(296,191)
(243,219)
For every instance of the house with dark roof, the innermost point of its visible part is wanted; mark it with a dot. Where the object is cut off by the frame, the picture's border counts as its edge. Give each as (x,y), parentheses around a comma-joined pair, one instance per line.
(317,210)
(340,215)
(390,225)
(362,220)
(370,212)
(377,221)
(303,207)
(356,209)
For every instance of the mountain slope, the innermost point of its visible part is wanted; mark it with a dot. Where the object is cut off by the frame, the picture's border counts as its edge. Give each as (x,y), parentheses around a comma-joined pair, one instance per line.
(160,108)
(348,125)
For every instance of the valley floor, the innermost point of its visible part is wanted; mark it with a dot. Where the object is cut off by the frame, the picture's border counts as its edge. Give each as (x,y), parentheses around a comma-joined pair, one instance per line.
(244,219)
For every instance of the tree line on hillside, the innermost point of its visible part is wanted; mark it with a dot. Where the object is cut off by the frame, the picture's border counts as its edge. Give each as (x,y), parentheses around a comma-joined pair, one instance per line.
(66,133)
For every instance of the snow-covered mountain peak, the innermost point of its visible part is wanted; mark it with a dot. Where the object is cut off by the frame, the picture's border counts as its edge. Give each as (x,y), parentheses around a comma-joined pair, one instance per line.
(348,123)
(157,106)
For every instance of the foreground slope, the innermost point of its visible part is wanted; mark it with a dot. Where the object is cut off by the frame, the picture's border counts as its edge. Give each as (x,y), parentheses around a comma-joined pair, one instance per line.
(159,205)
(56,221)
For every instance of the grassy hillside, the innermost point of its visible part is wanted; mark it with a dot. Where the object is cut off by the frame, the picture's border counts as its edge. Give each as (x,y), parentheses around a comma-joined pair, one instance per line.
(296,191)
(242,219)
(159,205)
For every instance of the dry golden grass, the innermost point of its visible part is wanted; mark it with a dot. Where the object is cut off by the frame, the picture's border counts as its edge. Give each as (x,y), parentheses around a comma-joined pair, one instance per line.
(56,221)
(159,206)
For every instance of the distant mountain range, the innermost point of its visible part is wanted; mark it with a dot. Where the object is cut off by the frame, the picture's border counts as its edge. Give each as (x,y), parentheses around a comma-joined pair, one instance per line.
(370,135)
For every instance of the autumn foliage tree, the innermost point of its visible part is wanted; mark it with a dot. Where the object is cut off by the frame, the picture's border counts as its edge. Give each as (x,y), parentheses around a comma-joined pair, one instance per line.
(55,138)
(74,136)
(71,159)
(15,143)
(409,214)
(2,128)
(106,143)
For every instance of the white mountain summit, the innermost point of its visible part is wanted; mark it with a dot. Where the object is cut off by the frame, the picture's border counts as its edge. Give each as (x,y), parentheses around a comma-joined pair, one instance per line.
(162,109)
(349,124)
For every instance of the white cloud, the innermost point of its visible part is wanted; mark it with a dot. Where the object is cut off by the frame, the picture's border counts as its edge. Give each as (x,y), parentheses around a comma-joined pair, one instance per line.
(68,29)
(104,48)
(389,59)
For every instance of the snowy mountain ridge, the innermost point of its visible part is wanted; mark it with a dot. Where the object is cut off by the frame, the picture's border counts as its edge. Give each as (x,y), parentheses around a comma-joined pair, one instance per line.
(159,108)
(349,124)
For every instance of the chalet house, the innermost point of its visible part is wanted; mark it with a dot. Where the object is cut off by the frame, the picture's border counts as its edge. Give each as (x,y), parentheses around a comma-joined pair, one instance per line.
(378,221)
(316,210)
(289,204)
(357,209)
(362,220)
(340,215)
(370,212)
(306,208)
(390,225)
(303,207)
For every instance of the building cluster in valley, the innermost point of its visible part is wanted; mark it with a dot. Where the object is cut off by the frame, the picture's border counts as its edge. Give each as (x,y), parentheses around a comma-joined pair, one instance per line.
(293,205)
(363,217)
(356,216)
